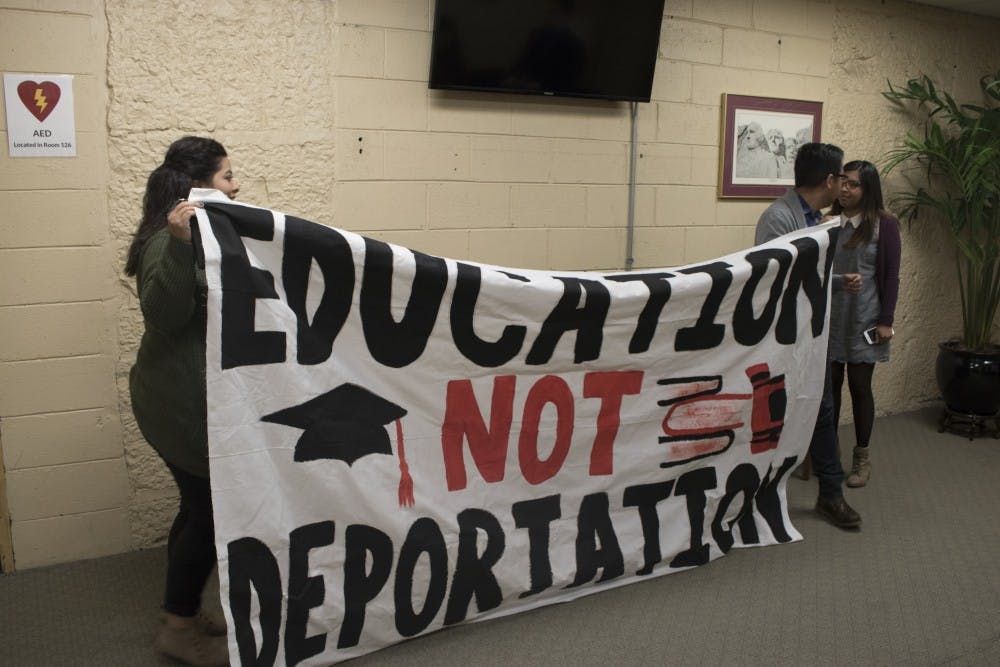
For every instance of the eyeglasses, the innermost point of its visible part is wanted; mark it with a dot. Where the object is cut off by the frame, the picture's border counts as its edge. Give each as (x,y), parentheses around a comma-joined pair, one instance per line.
(851,183)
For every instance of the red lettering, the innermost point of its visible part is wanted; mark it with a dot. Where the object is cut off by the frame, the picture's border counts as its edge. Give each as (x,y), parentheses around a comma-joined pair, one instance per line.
(463,420)
(609,387)
(549,389)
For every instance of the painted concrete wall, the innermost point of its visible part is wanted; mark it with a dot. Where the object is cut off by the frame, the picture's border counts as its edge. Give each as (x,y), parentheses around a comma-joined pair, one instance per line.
(67,486)
(257,77)
(873,43)
(324,107)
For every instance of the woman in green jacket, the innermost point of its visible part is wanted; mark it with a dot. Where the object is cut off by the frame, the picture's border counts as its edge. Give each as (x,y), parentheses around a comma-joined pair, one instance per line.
(167,383)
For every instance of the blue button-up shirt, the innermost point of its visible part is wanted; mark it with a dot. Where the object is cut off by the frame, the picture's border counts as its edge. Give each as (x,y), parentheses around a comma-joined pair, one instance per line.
(812,217)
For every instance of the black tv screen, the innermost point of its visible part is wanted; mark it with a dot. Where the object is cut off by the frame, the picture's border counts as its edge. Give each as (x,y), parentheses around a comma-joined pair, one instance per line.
(581,48)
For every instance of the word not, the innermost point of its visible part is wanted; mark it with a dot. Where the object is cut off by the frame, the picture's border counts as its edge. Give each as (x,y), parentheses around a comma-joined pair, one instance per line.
(463,421)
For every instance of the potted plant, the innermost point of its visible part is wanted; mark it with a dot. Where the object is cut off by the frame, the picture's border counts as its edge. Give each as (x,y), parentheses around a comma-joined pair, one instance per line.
(959,160)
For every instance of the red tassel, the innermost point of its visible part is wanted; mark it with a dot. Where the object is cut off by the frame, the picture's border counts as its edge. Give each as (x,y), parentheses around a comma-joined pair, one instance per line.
(405,481)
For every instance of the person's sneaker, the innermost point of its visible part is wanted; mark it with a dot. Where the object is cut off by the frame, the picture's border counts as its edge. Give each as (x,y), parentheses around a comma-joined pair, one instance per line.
(838,512)
(192,646)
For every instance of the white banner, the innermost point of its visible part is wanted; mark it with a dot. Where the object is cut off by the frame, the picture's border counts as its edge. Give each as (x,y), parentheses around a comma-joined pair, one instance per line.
(401,442)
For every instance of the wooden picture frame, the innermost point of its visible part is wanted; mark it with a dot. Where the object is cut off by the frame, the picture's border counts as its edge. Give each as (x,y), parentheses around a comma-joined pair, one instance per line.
(759,139)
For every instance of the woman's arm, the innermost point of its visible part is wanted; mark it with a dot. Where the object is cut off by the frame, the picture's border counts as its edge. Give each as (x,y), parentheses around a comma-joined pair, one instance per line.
(889,248)
(166,282)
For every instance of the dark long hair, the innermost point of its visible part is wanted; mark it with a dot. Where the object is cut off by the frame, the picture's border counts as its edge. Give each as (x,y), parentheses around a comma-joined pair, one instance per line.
(189,160)
(872,207)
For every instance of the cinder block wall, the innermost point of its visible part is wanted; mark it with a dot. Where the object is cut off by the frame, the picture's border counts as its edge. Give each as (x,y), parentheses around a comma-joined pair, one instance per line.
(541,182)
(324,107)
(67,486)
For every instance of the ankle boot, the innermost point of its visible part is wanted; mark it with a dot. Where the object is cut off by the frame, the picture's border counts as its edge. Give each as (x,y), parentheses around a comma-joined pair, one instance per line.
(190,646)
(861,470)
(211,622)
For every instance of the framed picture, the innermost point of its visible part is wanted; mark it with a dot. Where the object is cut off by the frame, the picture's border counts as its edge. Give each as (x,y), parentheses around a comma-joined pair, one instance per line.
(760,136)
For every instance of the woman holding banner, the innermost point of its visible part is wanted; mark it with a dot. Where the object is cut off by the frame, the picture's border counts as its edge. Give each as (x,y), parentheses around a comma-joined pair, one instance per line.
(861,324)
(167,384)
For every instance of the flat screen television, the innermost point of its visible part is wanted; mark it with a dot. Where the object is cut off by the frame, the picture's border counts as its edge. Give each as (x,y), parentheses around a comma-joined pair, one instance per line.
(603,49)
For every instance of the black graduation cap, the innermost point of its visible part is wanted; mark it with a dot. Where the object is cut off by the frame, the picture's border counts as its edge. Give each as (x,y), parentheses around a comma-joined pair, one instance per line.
(346,423)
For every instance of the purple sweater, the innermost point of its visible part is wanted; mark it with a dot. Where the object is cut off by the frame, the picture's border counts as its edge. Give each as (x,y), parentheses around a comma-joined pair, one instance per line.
(887,267)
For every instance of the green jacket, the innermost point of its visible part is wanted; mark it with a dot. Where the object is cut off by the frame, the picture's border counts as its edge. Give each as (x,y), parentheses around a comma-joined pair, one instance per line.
(167,382)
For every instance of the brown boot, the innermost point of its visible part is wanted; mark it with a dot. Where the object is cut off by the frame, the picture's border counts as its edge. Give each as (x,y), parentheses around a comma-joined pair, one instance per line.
(211,622)
(838,512)
(191,646)
(862,468)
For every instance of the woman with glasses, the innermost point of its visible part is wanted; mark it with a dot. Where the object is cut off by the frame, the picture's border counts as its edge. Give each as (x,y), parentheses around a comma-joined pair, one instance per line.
(861,324)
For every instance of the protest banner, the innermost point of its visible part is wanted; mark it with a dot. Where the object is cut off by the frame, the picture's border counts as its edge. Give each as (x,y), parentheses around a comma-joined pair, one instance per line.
(401,442)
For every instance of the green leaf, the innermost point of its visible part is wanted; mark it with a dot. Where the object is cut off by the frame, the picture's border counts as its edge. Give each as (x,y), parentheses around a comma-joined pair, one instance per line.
(958,155)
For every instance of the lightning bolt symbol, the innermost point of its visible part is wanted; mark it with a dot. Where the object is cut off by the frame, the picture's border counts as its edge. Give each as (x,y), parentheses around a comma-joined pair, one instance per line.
(40,100)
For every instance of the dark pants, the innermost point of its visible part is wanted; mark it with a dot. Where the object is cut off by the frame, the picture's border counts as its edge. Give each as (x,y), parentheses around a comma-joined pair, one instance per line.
(824,449)
(859,382)
(191,545)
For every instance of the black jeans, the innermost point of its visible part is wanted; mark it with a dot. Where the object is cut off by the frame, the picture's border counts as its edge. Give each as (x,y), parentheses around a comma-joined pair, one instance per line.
(824,449)
(190,546)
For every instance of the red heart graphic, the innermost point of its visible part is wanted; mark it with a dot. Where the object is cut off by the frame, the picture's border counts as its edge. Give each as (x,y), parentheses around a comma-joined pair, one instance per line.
(39,98)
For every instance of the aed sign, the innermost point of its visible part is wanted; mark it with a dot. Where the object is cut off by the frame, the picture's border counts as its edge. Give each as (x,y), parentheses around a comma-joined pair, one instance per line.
(40,120)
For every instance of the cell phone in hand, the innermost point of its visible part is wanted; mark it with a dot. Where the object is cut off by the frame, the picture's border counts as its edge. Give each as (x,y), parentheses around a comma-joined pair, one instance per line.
(871,335)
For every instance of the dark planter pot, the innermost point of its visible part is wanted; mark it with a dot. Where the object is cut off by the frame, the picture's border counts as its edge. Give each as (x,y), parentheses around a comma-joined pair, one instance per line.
(969,381)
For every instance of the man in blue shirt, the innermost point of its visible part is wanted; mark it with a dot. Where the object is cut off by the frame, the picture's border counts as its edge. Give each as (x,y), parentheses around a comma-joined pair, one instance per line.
(817,184)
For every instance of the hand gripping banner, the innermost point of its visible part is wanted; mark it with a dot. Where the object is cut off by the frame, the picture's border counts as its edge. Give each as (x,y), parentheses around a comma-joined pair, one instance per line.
(401,442)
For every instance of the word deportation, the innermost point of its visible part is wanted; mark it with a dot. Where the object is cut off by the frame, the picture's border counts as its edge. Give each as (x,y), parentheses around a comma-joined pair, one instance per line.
(582,307)
(369,557)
